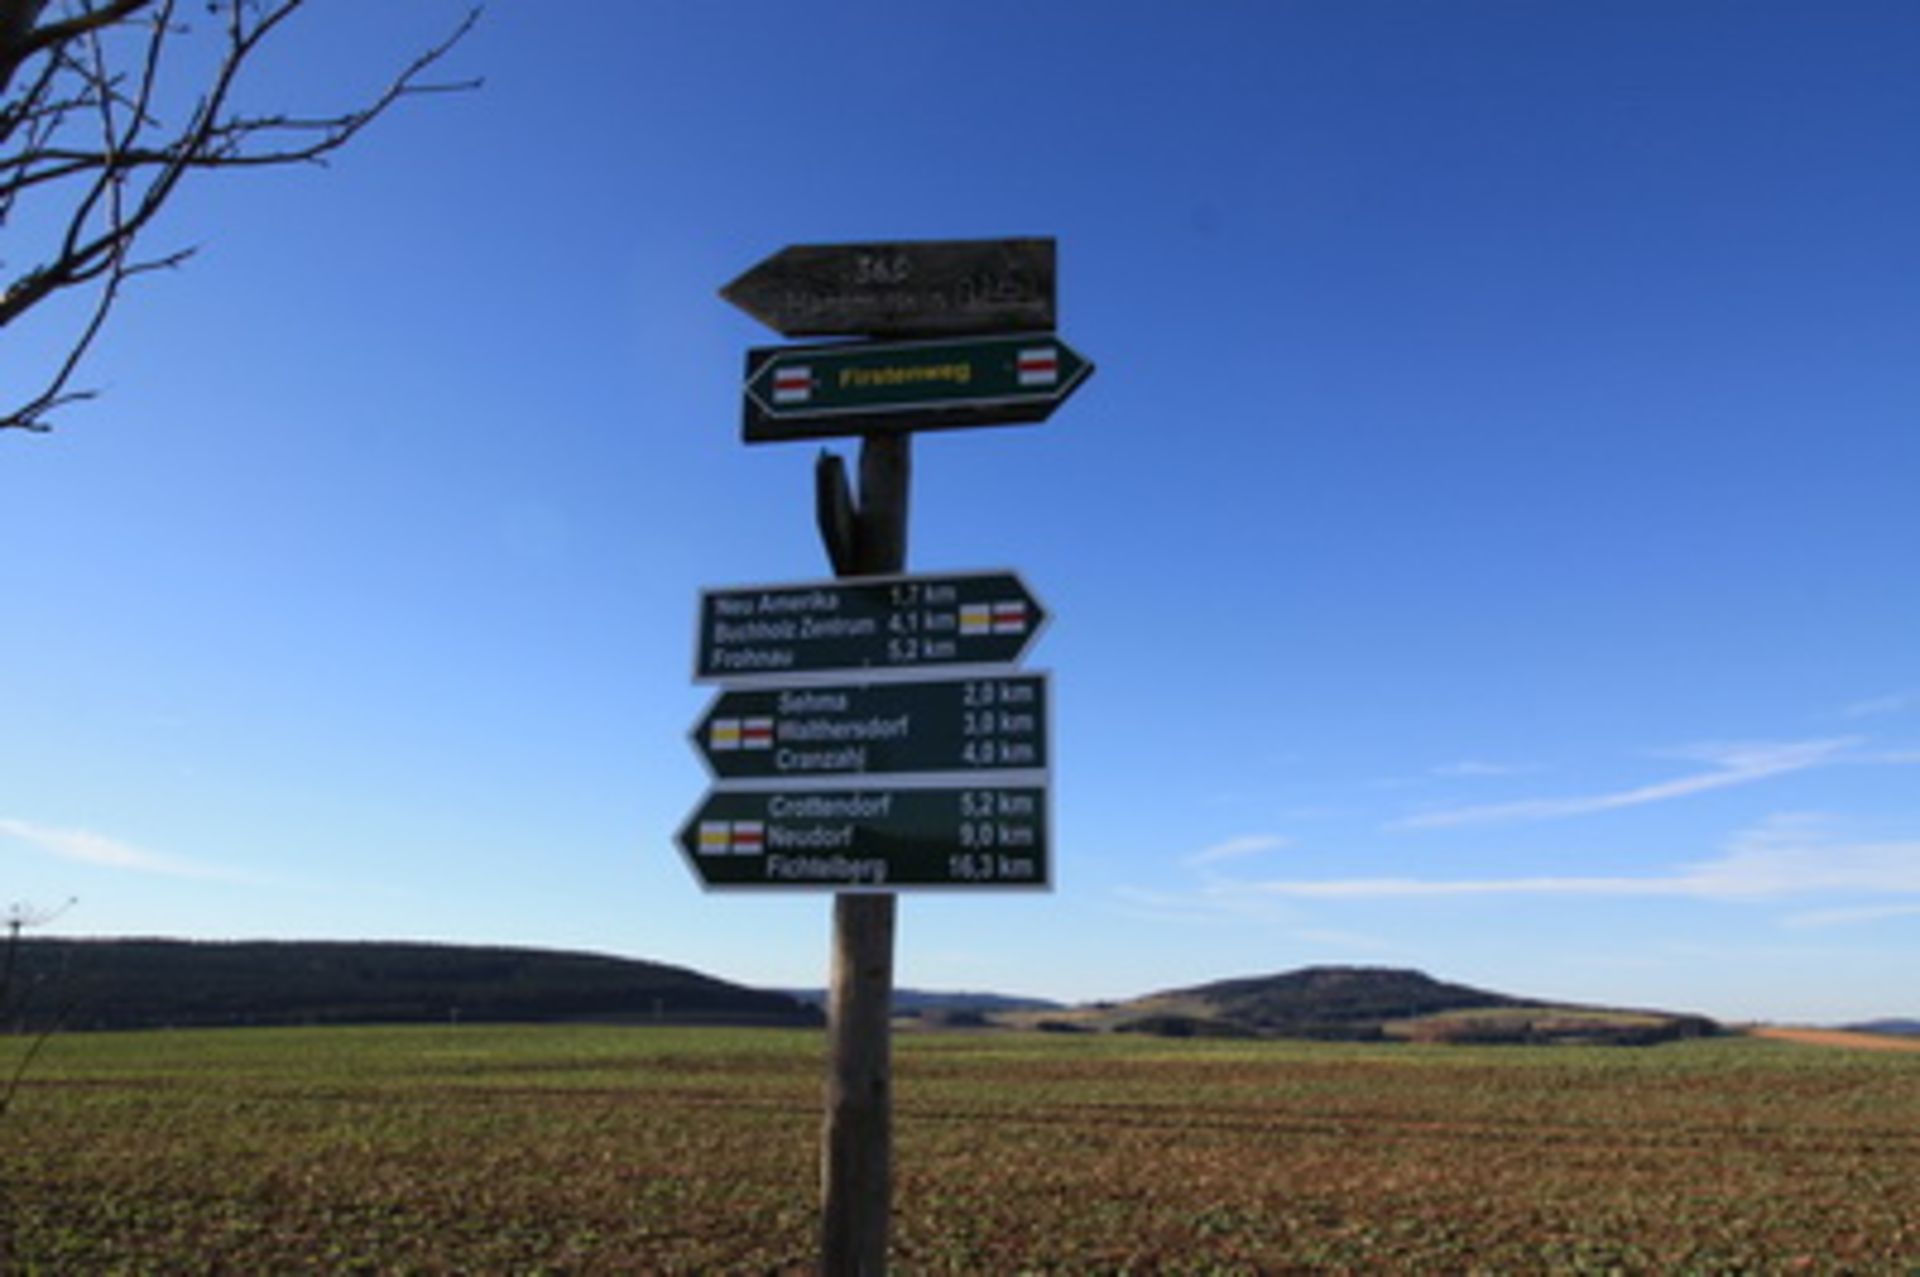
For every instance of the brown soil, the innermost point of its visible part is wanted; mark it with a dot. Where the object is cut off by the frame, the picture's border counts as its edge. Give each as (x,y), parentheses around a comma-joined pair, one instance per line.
(1841,1037)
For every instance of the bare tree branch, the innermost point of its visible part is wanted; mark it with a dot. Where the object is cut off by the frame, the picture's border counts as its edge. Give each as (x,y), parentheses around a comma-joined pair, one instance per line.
(84,148)
(32,40)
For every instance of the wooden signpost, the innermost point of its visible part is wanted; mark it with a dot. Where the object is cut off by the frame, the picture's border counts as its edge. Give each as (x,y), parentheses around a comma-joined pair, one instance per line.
(872,732)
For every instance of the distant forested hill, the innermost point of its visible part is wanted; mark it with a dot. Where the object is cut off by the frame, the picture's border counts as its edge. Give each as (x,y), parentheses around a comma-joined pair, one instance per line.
(1319,997)
(1372,1004)
(910,1002)
(115,984)
(1904,1027)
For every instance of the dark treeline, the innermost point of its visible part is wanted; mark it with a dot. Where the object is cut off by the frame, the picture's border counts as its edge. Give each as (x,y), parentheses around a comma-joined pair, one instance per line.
(123,984)
(1327,997)
(1359,1004)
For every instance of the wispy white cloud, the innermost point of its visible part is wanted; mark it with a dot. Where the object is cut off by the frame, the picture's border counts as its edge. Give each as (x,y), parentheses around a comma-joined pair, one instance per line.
(1462,769)
(1473,768)
(1728,764)
(1796,855)
(1358,941)
(1852,917)
(1237,849)
(1881,706)
(1789,856)
(1212,905)
(89,848)
(1387,888)
(1148,898)
(1200,907)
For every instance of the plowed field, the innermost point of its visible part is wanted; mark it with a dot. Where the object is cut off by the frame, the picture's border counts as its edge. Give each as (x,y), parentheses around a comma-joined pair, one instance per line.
(578,1150)
(1842,1038)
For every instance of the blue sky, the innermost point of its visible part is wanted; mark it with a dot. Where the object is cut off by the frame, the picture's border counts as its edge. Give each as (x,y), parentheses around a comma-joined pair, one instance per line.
(1488,543)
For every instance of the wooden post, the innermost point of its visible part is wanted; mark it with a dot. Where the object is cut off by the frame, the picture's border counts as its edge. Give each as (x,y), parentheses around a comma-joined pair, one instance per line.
(856,1149)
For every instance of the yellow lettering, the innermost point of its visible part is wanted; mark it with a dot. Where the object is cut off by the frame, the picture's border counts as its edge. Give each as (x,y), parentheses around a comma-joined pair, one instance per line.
(959,374)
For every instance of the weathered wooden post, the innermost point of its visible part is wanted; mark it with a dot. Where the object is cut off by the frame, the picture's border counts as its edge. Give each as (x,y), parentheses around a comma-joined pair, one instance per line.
(856,1143)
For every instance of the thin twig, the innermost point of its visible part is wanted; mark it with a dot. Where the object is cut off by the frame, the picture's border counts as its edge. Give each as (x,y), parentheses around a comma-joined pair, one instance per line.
(124,177)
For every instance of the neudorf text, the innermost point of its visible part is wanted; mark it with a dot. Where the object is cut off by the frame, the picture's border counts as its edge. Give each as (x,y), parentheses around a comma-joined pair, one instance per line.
(922,836)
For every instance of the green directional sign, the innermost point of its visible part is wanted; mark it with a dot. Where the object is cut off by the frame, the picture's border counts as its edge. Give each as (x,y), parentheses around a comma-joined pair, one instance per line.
(977,836)
(795,734)
(810,392)
(876,625)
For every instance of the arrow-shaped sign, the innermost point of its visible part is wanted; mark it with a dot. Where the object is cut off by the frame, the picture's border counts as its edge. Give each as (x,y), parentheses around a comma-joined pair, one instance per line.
(796,734)
(873,624)
(872,839)
(915,288)
(810,392)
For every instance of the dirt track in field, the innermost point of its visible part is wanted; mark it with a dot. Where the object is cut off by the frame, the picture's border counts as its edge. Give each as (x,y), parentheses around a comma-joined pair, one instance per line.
(1841,1038)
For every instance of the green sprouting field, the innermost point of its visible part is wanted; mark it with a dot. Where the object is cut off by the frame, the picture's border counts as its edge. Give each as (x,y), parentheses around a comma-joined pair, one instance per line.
(606,1150)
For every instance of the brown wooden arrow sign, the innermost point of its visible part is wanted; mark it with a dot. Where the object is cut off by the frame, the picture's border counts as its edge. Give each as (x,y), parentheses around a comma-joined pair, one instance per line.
(906,288)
